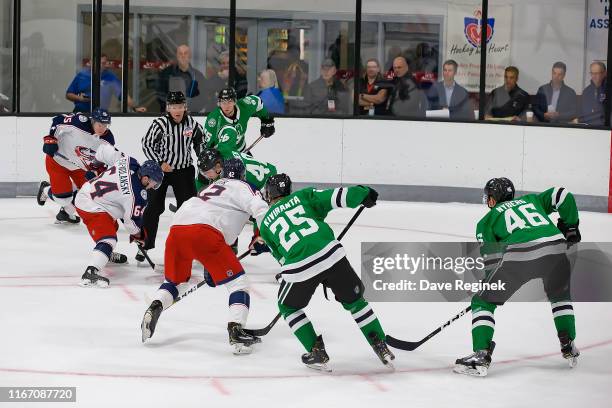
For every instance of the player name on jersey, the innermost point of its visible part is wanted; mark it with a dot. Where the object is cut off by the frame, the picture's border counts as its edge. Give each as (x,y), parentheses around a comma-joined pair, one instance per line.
(124,177)
(281,208)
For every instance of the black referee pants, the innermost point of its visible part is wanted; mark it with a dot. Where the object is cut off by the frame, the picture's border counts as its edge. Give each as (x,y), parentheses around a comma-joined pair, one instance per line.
(183,185)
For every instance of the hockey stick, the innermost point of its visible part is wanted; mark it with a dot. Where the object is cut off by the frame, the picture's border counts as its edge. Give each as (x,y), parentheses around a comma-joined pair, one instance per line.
(410,345)
(200,284)
(146,255)
(266,330)
(248,150)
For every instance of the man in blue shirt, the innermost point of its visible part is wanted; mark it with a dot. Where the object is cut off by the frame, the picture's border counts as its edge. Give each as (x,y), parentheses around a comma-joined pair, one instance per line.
(79,90)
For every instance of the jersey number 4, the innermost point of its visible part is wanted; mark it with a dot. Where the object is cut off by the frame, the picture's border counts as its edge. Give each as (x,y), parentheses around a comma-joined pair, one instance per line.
(102,187)
(293,216)
(529,217)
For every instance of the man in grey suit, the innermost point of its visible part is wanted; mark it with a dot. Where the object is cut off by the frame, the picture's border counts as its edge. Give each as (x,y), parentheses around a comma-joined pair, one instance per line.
(555,101)
(448,94)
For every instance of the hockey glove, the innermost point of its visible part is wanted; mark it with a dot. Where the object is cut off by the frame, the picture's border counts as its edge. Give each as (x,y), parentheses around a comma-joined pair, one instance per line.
(267,127)
(258,246)
(50,145)
(570,232)
(139,238)
(370,200)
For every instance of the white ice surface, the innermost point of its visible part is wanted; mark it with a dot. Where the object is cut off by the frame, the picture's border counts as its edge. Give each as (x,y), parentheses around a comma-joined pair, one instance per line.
(54,333)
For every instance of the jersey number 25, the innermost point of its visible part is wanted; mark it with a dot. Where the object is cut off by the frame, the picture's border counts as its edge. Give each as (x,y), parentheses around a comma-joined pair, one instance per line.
(294,217)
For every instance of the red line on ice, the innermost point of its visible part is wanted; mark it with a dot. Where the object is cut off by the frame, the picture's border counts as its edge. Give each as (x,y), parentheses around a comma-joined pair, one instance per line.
(381,371)
(374,383)
(218,385)
(128,292)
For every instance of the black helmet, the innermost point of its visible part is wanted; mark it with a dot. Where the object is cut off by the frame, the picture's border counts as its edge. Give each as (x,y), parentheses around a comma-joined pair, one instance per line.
(207,158)
(501,189)
(228,93)
(175,98)
(278,185)
(233,169)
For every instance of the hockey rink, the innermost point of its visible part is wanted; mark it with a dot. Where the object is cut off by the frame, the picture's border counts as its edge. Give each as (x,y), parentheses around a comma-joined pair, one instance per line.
(55,333)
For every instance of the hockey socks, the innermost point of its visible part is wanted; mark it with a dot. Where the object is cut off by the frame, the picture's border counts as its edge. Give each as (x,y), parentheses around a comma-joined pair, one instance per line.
(366,319)
(300,325)
(563,314)
(166,294)
(483,323)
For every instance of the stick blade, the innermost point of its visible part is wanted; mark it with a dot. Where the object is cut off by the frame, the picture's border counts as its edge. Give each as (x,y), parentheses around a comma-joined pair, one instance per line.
(401,344)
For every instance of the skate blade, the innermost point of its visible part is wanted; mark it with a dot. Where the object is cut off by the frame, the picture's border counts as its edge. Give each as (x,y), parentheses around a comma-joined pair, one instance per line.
(388,364)
(144,327)
(97,284)
(474,372)
(572,361)
(240,349)
(320,367)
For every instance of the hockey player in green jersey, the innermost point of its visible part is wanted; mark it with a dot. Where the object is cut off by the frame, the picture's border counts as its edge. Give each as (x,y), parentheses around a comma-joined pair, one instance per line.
(309,255)
(257,172)
(521,243)
(226,126)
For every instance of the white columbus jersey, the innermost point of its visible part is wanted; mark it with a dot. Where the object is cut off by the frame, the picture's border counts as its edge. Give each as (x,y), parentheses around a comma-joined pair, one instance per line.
(118,192)
(76,142)
(225,205)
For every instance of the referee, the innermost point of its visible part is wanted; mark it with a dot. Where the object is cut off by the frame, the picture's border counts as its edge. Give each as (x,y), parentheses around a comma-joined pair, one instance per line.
(169,141)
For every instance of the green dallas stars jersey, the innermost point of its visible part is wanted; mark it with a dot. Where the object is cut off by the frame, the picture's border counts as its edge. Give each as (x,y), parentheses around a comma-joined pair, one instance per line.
(525,219)
(257,172)
(227,135)
(295,230)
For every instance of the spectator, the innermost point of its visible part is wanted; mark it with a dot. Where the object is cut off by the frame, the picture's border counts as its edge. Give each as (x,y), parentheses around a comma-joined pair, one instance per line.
(448,94)
(406,98)
(218,81)
(181,77)
(270,95)
(594,96)
(509,100)
(372,99)
(555,101)
(327,94)
(79,90)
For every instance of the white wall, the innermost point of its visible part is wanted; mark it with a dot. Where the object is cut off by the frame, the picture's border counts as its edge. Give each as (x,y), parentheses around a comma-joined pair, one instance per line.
(378,152)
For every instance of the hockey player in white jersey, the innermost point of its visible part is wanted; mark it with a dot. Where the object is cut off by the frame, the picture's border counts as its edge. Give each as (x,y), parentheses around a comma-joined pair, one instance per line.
(70,148)
(118,193)
(203,229)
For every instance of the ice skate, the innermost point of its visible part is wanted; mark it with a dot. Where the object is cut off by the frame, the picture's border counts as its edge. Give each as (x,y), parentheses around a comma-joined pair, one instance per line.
(317,358)
(569,349)
(117,258)
(149,320)
(41,197)
(382,351)
(476,364)
(62,217)
(91,278)
(240,340)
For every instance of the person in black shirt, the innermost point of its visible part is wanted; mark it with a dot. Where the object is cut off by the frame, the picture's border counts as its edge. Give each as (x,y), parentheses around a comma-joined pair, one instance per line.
(181,77)
(169,141)
(509,100)
(372,98)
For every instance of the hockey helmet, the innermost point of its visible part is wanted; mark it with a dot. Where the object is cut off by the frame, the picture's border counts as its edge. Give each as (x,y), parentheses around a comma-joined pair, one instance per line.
(101,115)
(501,189)
(175,98)
(233,169)
(227,94)
(278,185)
(152,170)
(207,159)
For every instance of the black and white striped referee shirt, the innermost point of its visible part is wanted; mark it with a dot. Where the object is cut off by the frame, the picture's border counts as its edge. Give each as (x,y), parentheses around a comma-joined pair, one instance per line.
(171,142)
